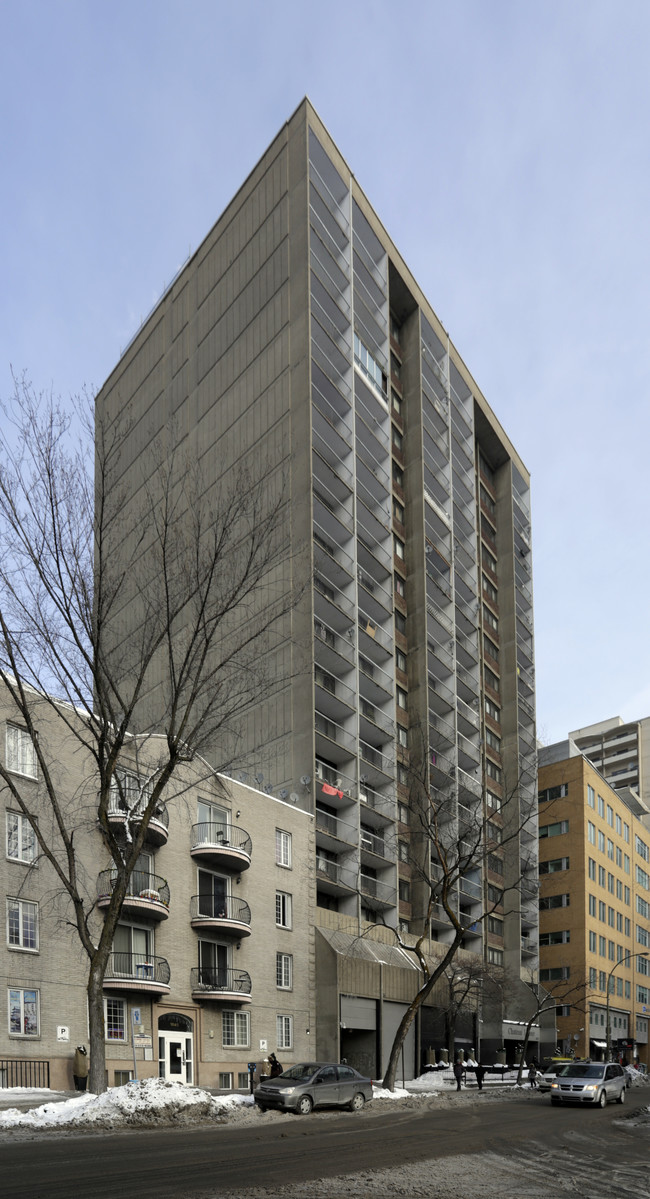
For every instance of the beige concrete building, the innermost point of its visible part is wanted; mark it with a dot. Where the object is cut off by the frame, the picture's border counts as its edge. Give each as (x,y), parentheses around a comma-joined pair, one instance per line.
(213,962)
(621,752)
(297,333)
(594,863)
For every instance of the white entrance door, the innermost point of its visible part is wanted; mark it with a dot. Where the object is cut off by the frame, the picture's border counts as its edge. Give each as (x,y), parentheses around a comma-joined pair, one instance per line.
(175,1057)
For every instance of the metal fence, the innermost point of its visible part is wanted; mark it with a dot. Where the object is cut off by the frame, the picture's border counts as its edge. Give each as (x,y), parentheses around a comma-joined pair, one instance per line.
(24,1074)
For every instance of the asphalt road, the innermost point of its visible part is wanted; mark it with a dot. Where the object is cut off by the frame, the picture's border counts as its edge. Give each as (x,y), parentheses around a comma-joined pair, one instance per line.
(172,1163)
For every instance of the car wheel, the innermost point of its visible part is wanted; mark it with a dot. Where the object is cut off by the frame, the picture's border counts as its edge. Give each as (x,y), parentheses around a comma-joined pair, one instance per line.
(305,1104)
(261,1107)
(602,1099)
(357,1102)
(621,1098)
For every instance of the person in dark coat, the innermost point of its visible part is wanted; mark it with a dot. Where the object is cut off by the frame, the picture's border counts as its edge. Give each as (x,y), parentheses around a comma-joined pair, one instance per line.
(80,1068)
(276,1066)
(480,1075)
(458,1073)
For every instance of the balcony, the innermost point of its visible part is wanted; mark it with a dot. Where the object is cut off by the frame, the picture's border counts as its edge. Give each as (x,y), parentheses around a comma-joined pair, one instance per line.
(137,972)
(222,984)
(223,845)
(373,845)
(227,915)
(332,878)
(375,893)
(119,816)
(331,829)
(529,946)
(146,894)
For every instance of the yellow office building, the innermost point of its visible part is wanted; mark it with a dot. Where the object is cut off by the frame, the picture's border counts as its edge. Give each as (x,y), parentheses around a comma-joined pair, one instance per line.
(594,866)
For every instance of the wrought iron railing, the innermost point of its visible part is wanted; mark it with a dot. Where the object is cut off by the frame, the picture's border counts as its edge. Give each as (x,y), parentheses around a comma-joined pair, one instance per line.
(226,907)
(214,835)
(140,967)
(216,978)
(141,885)
(24,1073)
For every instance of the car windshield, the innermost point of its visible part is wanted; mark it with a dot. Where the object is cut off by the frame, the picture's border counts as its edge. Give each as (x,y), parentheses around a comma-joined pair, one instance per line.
(305,1070)
(586,1071)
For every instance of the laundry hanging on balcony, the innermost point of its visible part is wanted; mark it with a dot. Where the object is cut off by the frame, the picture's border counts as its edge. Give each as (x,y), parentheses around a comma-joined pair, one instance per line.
(328,790)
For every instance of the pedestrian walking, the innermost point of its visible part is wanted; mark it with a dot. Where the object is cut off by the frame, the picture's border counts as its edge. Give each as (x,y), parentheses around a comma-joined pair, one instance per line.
(458,1073)
(480,1075)
(532,1076)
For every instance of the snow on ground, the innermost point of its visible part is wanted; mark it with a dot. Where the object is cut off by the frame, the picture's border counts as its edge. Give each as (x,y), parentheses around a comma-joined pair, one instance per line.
(138,1104)
(154,1103)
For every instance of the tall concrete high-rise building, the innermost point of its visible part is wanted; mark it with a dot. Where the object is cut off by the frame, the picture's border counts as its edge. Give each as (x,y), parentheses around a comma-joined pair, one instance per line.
(297,332)
(620,750)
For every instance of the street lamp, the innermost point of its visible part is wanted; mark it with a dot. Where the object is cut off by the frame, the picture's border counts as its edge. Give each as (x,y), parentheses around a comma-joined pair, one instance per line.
(622,962)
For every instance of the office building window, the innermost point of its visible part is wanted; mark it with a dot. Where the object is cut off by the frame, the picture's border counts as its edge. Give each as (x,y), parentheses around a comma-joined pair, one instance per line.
(619,826)
(235,1029)
(553,865)
(610,815)
(602,876)
(283,909)
(284,1032)
(284,971)
(553,830)
(560,937)
(591,797)
(593,942)
(602,946)
(626,832)
(602,980)
(495,956)
(548,902)
(610,849)
(592,905)
(592,869)
(593,977)
(591,832)
(283,848)
(601,841)
(22,924)
(20,752)
(23,1012)
(641,847)
(21,838)
(601,806)
(550,793)
(554,974)
(495,926)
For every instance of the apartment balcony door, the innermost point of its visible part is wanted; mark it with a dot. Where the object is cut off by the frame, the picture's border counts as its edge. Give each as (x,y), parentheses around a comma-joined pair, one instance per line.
(176,1049)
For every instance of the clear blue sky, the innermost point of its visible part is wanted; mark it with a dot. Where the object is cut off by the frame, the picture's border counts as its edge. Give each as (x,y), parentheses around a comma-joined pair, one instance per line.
(504,144)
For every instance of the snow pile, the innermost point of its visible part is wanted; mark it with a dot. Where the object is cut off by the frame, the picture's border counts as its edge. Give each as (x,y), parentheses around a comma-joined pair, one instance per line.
(379,1092)
(143,1104)
(636,1078)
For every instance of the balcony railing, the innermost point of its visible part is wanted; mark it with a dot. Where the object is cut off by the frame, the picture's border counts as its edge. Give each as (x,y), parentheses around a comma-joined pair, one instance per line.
(374,888)
(216,978)
(141,886)
(137,967)
(226,907)
(372,843)
(341,829)
(219,836)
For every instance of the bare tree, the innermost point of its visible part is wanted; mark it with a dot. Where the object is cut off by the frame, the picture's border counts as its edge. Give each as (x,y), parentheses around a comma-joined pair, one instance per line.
(175,635)
(451,840)
(464,990)
(543,1001)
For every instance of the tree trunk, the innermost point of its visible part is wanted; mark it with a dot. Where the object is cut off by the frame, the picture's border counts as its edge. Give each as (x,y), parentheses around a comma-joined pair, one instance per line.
(524,1049)
(97,1075)
(413,1007)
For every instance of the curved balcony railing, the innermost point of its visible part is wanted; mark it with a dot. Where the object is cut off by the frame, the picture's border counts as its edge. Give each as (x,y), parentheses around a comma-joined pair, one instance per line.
(221,836)
(228,907)
(118,807)
(137,967)
(215,978)
(141,885)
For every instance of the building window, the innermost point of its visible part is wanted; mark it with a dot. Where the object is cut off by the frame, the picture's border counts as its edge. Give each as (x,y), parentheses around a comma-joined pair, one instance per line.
(550,793)
(602,911)
(489,589)
(610,849)
(243,1080)
(593,977)
(283,909)
(602,876)
(404,891)
(592,905)
(490,619)
(601,841)
(591,832)
(402,736)
(610,815)
(642,936)
(548,902)
(491,679)
(284,1032)
(495,773)
(21,838)
(22,924)
(641,847)
(602,946)
(398,511)
(593,942)
(554,830)
(591,797)
(601,806)
(626,896)
(490,648)
(284,971)
(642,879)
(495,956)
(369,365)
(402,813)
(403,851)
(495,926)
(494,894)
(492,710)
(493,801)
(554,974)
(592,869)
(488,560)
(626,832)
(400,660)
(610,883)
(23,1012)
(282,848)
(225,1080)
(20,755)
(563,1010)
(121,1077)
(235,1029)
(400,622)
(556,938)
(115,1019)
(402,698)
(398,475)
(619,857)
(626,863)
(396,438)
(618,824)
(399,548)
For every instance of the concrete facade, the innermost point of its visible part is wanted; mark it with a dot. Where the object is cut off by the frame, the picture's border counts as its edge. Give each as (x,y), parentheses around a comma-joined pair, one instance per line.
(221,970)
(595,907)
(296,334)
(621,752)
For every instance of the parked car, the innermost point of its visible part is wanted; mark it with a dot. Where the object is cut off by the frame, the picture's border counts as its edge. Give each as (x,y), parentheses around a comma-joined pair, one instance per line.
(596,1083)
(314,1084)
(548,1076)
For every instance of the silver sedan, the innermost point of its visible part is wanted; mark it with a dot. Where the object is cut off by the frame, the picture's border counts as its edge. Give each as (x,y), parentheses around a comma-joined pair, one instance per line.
(314,1084)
